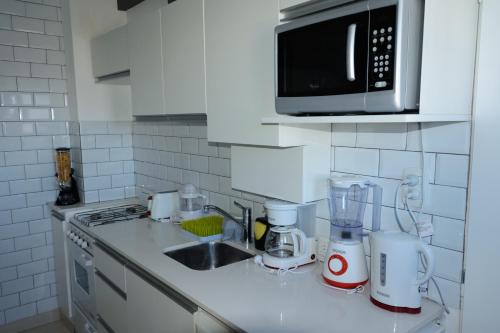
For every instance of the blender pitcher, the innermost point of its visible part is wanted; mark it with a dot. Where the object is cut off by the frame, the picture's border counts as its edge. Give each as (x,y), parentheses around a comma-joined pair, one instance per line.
(345,264)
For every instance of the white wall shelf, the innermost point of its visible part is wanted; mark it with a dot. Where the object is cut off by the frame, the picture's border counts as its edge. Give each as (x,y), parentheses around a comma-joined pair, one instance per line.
(391,118)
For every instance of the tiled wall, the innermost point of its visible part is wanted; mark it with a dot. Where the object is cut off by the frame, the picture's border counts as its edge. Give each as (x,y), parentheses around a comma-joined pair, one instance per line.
(382,152)
(33,116)
(27,182)
(172,153)
(103,160)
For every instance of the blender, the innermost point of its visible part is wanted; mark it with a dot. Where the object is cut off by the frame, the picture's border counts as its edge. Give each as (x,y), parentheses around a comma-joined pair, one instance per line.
(290,242)
(68,193)
(345,263)
(191,202)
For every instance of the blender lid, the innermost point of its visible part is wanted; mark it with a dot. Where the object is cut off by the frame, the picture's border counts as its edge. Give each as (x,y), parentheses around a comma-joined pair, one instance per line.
(348,181)
(280,205)
(189,191)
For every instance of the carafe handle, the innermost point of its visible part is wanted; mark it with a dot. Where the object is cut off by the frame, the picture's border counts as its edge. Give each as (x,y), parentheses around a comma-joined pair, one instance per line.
(428,259)
(299,238)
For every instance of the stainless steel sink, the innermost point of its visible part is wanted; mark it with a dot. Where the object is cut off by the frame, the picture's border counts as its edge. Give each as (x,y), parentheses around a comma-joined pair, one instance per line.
(207,256)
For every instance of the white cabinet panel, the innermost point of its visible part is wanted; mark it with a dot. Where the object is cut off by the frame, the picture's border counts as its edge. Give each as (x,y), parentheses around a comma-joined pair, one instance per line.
(448,56)
(296,174)
(149,310)
(111,306)
(184,56)
(110,267)
(146,61)
(110,53)
(205,323)
(61,266)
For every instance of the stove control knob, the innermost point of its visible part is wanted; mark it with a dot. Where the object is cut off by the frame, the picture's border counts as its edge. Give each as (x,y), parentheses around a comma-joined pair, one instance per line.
(84,245)
(79,241)
(68,232)
(72,235)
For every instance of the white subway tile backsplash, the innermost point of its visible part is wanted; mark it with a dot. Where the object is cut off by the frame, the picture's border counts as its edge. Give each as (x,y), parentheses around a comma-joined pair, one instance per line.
(32,84)
(8,274)
(40,198)
(111,194)
(26,54)
(189,145)
(32,268)
(209,182)
(108,141)
(42,252)
(17,38)
(226,188)
(5,21)
(199,163)
(6,245)
(96,183)
(109,168)
(25,186)
(13,7)
(219,166)
(27,24)
(207,148)
(39,226)
(46,71)
(9,114)
(49,184)
(28,242)
(16,99)
(120,127)
(13,259)
(56,57)
(47,304)
(60,141)
(384,136)
(51,128)
(40,170)
(357,160)
(6,52)
(11,172)
(448,263)
(43,279)
(57,86)
(123,180)
(53,28)
(452,170)
(448,233)
(35,114)
(41,11)
(121,154)
(20,157)
(446,201)
(49,99)
(173,144)
(93,127)
(9,68)
(9,301)
(18,128)
(190,177)
(34,295)
(452,138)
(95,155)
(8,83)
(12,201)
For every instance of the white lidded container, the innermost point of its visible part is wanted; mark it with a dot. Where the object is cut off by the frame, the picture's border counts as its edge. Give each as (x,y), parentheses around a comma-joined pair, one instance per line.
(281,212)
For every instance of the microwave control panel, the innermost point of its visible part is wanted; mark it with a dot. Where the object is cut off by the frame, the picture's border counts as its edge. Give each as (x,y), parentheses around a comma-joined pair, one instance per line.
(382,46)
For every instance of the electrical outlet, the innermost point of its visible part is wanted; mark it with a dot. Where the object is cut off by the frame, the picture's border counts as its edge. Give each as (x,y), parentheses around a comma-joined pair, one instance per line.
(413,193)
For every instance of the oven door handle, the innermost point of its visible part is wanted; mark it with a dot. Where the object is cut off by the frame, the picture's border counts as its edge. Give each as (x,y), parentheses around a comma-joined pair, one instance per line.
(350,52)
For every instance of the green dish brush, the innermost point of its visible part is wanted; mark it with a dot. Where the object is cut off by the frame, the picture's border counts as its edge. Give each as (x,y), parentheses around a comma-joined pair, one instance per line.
(204,226)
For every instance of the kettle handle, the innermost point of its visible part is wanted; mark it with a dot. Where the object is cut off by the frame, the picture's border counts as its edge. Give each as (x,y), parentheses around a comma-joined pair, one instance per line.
(299,237)
(429,260)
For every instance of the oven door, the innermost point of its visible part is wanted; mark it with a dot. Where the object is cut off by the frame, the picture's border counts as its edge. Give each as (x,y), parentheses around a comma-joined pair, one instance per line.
(82,281)
(321,59)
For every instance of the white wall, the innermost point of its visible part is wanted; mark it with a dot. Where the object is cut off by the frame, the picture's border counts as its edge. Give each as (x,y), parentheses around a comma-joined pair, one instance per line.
(93,101)
(481,291)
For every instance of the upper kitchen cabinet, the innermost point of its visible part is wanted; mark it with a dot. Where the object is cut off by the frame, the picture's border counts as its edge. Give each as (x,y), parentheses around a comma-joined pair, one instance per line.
(184,57)
(110,54)
(239,42)
(146,58)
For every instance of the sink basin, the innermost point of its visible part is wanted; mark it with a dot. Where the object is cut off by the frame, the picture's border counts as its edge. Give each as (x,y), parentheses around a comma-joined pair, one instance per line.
(207,256)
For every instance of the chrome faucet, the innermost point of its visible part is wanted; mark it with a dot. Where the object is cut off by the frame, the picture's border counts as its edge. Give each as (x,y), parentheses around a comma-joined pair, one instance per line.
(245,222)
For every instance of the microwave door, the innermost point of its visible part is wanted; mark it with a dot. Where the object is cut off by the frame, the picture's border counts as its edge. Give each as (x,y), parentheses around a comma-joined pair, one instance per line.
(324,61)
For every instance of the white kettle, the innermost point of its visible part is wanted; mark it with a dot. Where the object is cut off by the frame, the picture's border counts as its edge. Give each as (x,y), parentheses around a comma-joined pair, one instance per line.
(394,278)
(163,205)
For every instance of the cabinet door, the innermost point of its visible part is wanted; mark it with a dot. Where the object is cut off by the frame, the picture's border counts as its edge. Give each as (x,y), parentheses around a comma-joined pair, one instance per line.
(184,54)
(205,323)
(150,310)
(146,61)
(239,37)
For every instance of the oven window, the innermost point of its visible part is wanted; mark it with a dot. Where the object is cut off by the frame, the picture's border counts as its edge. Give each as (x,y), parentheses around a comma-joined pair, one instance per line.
(312,60)
(82,277)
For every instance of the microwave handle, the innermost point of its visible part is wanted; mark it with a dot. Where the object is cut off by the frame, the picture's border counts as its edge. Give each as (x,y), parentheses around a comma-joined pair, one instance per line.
(351,41)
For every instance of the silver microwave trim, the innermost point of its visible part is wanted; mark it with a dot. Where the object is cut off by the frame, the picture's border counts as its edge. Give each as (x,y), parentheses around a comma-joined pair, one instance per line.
(406,91)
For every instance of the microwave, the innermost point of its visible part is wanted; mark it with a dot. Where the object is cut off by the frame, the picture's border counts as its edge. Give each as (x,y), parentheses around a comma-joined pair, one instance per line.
(359,57)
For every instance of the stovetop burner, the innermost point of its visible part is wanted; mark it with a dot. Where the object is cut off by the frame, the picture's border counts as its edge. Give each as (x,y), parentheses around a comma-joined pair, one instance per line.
(110,215)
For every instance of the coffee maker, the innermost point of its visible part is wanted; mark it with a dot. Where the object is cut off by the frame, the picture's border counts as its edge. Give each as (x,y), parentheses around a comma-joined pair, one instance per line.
(290,242)
(68,190)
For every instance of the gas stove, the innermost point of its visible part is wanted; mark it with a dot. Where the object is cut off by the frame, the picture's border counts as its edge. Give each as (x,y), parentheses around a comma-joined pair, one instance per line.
(110,215)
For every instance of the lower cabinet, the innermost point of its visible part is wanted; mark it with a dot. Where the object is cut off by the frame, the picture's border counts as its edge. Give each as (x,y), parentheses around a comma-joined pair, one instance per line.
(153,308)
(205,323)
(111,305)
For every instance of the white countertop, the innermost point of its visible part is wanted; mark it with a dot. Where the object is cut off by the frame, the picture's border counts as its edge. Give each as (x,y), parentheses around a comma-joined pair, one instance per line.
(248,297)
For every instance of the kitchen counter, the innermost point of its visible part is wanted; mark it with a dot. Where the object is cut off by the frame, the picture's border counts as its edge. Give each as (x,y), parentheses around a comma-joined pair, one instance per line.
(247,297)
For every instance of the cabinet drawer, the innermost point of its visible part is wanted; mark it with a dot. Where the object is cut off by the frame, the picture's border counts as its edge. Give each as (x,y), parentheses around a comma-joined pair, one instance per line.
(111,304)
(110,267)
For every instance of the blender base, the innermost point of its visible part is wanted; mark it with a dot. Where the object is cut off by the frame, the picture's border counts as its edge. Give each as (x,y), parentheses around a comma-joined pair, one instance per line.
(342,285)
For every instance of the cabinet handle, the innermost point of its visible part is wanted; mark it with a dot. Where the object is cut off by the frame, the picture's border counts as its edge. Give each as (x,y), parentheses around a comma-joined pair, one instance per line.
(351,45)
(105,325)
(110,284)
